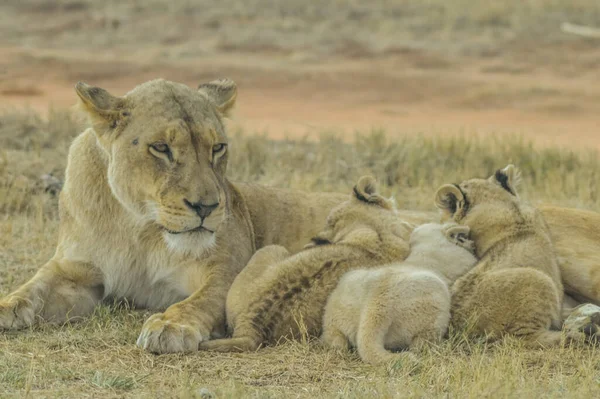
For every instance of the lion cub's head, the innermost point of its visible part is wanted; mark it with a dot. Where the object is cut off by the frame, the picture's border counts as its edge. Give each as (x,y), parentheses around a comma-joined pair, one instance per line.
(366,220)
(166,151)
(490,207)
(441,237)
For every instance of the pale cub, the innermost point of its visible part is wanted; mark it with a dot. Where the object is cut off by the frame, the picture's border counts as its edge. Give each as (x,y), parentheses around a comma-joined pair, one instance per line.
(403,304)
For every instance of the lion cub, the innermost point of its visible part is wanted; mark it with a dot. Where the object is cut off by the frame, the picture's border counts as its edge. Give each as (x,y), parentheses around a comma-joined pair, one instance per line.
(277,295)
(402,304)
(516,287)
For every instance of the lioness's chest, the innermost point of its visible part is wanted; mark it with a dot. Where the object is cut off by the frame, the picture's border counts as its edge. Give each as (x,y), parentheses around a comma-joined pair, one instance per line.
(148,276)
(148,280)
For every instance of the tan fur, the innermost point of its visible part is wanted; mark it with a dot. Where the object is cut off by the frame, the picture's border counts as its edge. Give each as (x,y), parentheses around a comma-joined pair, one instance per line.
(576,236)
(279,296)
(402,305)
(516,286)
(121,198)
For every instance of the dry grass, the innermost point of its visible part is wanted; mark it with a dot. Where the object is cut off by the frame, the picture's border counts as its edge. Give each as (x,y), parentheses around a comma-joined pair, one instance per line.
(97,358)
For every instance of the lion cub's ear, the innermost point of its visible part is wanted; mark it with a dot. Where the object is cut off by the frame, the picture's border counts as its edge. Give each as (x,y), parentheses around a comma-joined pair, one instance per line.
(103,109)
(323,238)
(449,199)
(222,92)
(508,178)
(366,191)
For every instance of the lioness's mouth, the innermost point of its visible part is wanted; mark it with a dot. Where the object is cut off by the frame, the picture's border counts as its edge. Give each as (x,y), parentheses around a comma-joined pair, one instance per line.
(199,228)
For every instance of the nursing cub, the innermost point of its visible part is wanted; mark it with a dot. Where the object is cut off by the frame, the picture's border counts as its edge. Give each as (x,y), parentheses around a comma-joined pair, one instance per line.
(516,287)
(400,305)
(277,295)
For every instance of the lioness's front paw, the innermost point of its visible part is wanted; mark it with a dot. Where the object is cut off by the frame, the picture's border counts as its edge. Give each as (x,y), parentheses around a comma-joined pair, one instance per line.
(16,313)
(163,335)
(586,319)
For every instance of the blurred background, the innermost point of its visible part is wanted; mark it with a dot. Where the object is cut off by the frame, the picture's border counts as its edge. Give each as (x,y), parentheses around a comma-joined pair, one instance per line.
(431,66)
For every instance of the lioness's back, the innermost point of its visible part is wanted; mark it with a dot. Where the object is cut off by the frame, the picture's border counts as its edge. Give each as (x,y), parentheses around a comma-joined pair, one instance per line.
(304,214)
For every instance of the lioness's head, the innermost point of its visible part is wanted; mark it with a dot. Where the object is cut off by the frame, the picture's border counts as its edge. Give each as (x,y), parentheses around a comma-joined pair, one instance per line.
(367,220)
(166,151)
(485,205)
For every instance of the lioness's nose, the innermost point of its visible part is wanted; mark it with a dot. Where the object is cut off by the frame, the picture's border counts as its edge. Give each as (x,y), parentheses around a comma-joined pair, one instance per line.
(201,209)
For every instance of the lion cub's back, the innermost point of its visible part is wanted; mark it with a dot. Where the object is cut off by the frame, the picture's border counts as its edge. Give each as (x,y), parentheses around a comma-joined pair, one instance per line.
(262,273)
(409,300)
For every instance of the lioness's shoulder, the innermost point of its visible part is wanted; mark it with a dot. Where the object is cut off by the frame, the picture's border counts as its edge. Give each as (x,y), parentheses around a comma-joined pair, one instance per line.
(572,214)
(277,194)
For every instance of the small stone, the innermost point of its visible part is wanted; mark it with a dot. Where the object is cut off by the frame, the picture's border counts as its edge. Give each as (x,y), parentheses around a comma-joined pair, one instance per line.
(51,184)
(204,393)
(584,318)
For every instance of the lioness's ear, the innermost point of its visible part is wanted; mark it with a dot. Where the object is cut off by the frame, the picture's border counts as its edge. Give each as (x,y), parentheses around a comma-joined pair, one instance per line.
(449,199)
(366,191)
(102,108)
(508,178)
(222,93)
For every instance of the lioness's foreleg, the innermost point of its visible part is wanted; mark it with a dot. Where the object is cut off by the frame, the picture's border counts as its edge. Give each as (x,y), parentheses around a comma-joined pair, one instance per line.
(185,324)
(61,290)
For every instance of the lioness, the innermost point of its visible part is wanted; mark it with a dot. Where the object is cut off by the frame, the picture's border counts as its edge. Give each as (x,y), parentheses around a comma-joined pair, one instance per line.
(147,214)
(516,286)
(402,305)
(278,295)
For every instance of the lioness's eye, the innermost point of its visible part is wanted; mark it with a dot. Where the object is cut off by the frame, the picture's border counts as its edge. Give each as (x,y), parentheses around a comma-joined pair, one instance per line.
(161,147)
(161,150)
(218,148)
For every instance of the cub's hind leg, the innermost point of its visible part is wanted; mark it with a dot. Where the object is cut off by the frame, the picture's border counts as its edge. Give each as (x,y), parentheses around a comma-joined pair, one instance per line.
(333,337)
(248,281)
(421,311)
(522,302)
(239,344)
(246,338)
(339,319)
(374,325)
(265,257)
(259,264)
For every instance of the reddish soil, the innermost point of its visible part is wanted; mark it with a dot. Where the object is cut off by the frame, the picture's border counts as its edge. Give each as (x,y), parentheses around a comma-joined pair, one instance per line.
(286,98)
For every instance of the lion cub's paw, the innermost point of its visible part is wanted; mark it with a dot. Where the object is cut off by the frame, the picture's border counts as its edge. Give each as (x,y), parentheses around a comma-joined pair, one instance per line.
(586,319)
(16,313)
(163,335)
(459,235)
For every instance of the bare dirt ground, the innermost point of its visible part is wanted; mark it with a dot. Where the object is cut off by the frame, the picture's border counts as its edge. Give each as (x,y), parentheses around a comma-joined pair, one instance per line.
(283,98)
